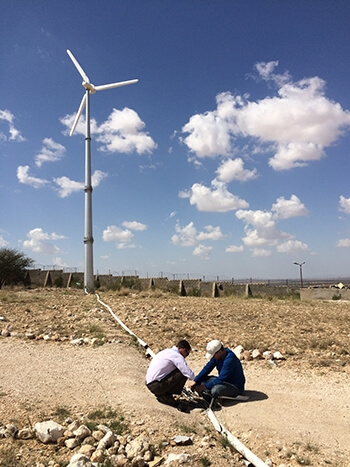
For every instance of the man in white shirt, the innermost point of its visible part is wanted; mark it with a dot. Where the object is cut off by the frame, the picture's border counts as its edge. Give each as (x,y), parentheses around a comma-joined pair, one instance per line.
(168,373)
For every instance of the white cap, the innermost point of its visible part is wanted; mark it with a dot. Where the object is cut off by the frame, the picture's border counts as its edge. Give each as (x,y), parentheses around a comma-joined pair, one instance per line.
(212,348)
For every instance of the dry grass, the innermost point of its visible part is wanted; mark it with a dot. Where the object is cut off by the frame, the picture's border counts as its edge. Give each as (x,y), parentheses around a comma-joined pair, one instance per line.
(315,334)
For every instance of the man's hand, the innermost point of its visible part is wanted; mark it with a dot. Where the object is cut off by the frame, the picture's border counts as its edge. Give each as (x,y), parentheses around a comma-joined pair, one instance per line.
(199,388)
(192,385)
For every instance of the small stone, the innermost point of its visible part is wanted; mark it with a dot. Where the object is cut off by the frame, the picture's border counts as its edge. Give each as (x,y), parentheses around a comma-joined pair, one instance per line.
(98,456)
(180,458)
(82,432)
(72,443)
(238,351)
(25,433)
(73,426)
(256,354)
(98,435)
(156,462)
(87,450)
(107,441)
(79,460)
(180,440)
(268,355)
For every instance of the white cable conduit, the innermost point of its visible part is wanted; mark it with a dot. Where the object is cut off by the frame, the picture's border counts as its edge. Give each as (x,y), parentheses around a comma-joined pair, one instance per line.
(246,453)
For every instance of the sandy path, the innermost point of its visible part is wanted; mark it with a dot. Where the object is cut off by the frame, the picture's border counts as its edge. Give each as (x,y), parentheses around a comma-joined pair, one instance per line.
(284,406)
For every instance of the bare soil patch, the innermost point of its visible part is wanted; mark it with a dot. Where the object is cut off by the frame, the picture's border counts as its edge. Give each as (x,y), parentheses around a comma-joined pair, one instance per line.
(298,412)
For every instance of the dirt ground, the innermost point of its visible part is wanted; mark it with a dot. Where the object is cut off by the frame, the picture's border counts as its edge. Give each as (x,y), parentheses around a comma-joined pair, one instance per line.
(298,411)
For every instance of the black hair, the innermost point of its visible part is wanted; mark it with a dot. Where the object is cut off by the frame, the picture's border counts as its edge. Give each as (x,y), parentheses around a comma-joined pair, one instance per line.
(183,344)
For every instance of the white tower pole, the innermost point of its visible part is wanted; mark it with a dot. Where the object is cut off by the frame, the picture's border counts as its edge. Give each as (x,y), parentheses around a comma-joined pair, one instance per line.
(89,285)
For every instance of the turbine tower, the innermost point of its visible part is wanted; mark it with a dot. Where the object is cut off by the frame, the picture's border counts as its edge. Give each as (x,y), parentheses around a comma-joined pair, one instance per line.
(89,285)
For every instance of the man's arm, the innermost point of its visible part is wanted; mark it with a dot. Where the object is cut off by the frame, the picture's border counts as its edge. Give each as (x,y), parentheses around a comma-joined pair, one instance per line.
(180,363)
(205,371)
(224,374)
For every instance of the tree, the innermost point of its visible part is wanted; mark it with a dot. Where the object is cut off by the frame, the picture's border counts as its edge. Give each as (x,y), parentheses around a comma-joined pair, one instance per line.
(13,266)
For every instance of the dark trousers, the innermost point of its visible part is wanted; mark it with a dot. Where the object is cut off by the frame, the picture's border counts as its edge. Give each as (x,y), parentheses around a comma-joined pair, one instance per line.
(173,383)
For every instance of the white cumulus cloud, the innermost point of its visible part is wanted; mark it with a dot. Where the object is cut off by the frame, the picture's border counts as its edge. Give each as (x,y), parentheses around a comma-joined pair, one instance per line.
(343,243)
(261,252)
(344,204)
(24,177)
(50,152)
(233,169)
(134,225)
(298,123)
(202,251)
(14,133)
(287,208)
(41,242)
(66,186)
(214,199)
(261,227)
(124,132)
(234,249)
(189,236)
(292,246)
(122,237)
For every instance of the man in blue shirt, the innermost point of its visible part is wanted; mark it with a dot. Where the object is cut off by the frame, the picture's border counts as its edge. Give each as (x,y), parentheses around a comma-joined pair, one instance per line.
(230,379)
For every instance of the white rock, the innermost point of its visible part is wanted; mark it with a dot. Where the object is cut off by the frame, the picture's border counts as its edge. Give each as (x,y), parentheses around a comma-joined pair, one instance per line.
(180,439)
(78,341)
(8,431)
(87,450)
(98,435)
(278,356)
(180,458)
(103,428)
(25,433)
(82,432)
(256,354)
(98,456)
(73,426)
(49,431)
(238,350)
(72,443)
(106,441)
(268,355)
(79,460)
(134,448)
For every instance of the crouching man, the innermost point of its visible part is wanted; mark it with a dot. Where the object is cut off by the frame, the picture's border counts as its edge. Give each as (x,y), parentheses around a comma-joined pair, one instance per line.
(230,380)
(168,373)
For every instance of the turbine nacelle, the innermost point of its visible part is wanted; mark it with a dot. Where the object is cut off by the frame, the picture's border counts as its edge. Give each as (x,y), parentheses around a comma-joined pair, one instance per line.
(89,87)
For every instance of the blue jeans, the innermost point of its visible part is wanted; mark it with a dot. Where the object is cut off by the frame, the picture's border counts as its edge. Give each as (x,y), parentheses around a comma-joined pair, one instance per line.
(223,389)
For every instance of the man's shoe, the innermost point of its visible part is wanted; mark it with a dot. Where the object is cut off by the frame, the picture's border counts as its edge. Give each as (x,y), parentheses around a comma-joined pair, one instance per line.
(183,408)
(167,399)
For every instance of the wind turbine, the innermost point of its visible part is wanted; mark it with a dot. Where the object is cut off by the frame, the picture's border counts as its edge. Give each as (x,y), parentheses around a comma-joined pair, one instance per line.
(85,102)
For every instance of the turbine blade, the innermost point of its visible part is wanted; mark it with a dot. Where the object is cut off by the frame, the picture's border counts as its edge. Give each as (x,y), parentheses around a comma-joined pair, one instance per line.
(77,117)
(78,67)
(103,87)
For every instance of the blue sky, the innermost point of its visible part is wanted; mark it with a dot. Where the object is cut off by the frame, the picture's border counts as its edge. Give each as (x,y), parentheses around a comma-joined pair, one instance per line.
(229,157)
